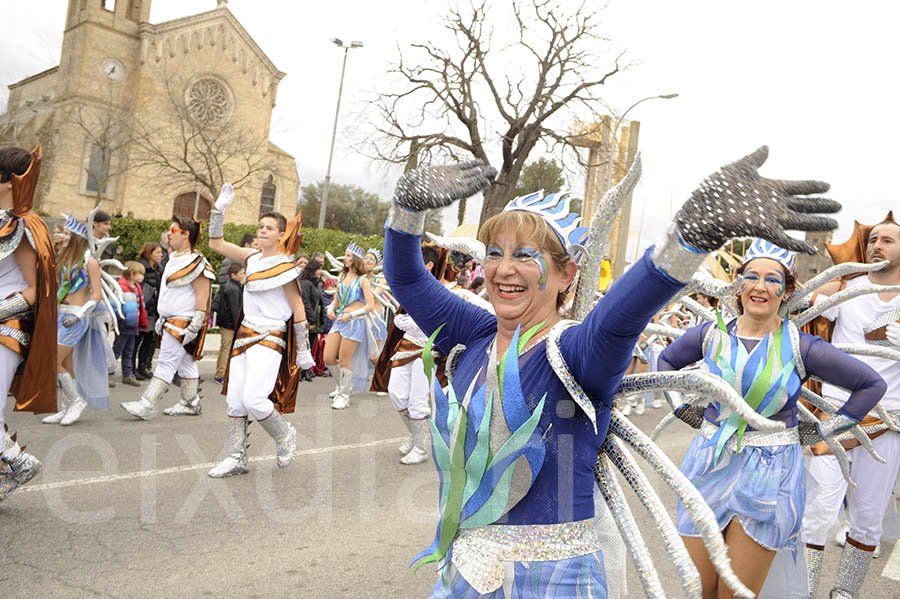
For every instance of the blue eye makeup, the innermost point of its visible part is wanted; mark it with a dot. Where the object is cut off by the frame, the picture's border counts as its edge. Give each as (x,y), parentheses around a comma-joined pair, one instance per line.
(522,255)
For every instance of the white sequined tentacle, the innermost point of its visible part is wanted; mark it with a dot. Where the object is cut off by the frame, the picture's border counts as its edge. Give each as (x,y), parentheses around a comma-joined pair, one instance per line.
(693,502)
(840,454)
(628,528)
(697,308)
(875,351)
(672,542)
(663,330)
(829,274)
(705,386)
(663,424)
(839,298)
(855,431)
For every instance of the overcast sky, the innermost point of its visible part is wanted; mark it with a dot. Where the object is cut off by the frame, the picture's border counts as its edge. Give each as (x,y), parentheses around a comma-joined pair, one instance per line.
(813,80)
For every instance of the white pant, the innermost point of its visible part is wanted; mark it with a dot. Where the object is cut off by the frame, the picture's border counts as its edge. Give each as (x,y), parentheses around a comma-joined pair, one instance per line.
(251,378)
(173,358)
(9,362)
(408,388)
(868,501)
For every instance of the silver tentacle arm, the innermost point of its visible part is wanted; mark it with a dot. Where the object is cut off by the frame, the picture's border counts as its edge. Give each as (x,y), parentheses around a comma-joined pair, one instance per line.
(672,542)
(628,528)
(836,448)
(875,351)
(663,330)
(706,386)
(839,298)
(690,497)
(855,431)
(882,413)
(713,287)
(335,263)
(829,274)
(602,222)
(663,424)
(466,245)
(697,308)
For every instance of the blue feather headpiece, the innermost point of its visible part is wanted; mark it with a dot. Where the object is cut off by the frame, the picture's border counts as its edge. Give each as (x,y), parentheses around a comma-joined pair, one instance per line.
(355,250)
(760,248)
(75,226)
(375,252)
(554,208)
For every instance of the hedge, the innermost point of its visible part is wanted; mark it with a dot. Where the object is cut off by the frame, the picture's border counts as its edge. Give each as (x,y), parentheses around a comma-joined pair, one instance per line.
(133,233)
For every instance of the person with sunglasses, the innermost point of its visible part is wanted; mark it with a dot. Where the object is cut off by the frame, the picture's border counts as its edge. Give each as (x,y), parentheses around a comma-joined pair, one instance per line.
(183,308)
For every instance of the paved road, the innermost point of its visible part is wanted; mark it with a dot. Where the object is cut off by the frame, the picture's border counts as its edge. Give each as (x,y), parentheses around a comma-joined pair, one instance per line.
(124,508)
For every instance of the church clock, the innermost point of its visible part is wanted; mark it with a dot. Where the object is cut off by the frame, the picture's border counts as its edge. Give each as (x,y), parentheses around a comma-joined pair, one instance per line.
(113,69)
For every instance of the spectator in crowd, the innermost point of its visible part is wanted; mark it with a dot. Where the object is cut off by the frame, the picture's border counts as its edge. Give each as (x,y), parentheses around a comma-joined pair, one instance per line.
(151,259)
(302,260)
(312,303)
(477,285)
(135,318)
(228,310)
(102,223)
(247,241)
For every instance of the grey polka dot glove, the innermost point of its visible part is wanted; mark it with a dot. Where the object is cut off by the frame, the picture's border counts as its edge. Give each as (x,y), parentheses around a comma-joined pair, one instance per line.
(439,186)
(736,202)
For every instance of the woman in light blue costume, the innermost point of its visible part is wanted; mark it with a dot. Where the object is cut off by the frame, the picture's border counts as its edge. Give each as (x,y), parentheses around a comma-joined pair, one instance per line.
(349,343)
(82,348)
(516,439)
(755,482)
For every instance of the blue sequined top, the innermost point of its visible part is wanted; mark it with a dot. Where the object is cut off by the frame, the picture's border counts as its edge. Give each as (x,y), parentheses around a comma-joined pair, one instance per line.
(349,294)
(72,281)
(598,352)
(820,359)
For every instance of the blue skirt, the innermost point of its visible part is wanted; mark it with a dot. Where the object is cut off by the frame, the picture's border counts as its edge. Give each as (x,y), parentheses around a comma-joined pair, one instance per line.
(70,336)
(581,576)
(354,330)
(764,487)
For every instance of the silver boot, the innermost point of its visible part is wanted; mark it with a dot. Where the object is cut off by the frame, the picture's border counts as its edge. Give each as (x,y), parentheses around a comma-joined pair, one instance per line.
(342,399)
(851,572)
(285,437)
(16,467)
(189,404)
(814,568)
(145,408)
(408,444)
(335,370)
(417,454)
(77,404)
(236,448)
(63,398)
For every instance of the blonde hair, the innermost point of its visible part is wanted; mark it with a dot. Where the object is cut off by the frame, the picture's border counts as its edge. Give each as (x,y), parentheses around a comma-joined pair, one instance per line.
(71,255)
(133,268)
(528,228)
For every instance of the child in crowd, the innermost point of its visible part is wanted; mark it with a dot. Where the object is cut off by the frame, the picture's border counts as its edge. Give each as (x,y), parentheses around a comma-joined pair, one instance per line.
(134,321)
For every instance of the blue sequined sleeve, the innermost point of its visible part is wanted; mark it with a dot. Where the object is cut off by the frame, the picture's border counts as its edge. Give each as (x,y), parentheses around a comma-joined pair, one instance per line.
(428,302)
(830,364)
(599,349)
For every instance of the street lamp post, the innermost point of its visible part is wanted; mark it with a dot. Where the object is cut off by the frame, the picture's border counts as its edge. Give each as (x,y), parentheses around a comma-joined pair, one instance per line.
(337,111)
(613,143)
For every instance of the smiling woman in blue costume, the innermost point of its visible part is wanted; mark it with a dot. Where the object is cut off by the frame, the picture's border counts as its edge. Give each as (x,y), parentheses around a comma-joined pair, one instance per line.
(514,450)
(755,482)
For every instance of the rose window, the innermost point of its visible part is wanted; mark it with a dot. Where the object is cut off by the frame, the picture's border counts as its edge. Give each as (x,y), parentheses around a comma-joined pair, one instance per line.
(207,101)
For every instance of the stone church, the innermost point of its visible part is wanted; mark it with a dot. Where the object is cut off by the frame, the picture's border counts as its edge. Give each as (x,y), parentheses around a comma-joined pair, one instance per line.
(150,119)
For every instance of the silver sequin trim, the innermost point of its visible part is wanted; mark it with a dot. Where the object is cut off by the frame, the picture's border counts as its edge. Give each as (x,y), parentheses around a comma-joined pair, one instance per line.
(558,363)
(405,221)
(9,245)
(191,276)
(672,256)
(273,282)
(216,224)
(788,436)
(21,337)
(477,552)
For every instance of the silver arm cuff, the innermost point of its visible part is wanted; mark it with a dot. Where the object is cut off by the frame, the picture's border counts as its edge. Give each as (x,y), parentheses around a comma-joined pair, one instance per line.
(405,221)
(836,425)
(216,224)
(358,313)
(675,257)
(197,321)
(13,306)
(301,336)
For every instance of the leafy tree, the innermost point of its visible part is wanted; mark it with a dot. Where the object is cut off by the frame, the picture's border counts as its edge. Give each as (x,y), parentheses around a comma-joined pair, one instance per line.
(352,209)
(543,173)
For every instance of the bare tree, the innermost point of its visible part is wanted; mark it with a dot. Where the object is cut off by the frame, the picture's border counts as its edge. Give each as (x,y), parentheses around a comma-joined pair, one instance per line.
(450,100)
(195,143)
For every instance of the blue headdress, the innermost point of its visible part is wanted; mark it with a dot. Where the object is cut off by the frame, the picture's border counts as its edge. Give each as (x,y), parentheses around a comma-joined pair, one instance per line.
(375,252)
(554,208)
(760,248)
(75,226)
(355,250)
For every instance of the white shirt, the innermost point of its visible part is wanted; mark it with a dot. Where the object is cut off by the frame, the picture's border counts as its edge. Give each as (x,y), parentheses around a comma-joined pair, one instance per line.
(266,306)
(11,278)
(177,301)
(849,319)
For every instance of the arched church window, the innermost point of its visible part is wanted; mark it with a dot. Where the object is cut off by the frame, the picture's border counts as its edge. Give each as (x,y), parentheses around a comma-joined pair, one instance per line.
(98,170)
(267,198)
